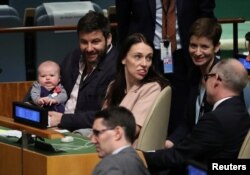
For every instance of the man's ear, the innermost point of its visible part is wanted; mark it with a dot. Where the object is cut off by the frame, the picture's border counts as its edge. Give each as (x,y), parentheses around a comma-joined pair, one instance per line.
(119,133)
(123,61)
(109,39)
(217,48)
(217,82)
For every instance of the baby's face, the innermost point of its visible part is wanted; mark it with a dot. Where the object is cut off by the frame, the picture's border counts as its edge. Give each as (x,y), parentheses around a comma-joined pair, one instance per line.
(48,76)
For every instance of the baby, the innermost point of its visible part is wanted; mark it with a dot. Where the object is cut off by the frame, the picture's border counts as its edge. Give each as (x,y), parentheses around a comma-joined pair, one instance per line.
(47,90)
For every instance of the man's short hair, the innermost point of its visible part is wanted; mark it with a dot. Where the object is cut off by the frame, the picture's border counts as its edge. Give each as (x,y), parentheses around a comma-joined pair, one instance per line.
(92,21)
(119,116)
(206,27)
(233,78)
(247,36)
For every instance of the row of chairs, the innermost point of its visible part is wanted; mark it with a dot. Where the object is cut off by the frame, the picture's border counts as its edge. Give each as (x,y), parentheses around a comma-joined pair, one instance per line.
(12,46)
(21,5)
(32,48)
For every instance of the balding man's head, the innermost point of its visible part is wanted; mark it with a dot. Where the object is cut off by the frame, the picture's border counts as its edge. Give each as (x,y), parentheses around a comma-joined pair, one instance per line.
(232,73)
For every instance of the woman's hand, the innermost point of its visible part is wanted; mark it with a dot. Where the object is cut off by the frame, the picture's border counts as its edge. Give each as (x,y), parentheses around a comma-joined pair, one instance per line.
(54,118)
(169,144)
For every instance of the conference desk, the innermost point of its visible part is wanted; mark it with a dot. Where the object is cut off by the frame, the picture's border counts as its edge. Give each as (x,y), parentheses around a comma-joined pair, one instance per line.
(74,158)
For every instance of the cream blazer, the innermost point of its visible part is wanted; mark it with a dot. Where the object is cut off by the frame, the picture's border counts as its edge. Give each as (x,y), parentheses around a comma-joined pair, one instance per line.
(140,99)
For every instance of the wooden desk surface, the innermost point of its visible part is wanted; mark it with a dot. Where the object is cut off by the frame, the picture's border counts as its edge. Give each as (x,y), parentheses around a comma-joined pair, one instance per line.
(18,161)
(10,162)
(10,92)
(74,164)
(44,133)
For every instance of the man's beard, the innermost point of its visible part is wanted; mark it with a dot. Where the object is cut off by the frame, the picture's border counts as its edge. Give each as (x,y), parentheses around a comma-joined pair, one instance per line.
(100,55)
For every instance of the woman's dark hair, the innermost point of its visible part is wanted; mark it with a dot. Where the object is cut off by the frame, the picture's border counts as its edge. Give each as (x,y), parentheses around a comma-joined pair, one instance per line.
(206,27)
(117,89)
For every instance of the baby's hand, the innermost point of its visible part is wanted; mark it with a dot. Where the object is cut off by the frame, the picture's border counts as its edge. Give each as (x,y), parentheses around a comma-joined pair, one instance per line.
(51,101)
(42,101)
(46,101)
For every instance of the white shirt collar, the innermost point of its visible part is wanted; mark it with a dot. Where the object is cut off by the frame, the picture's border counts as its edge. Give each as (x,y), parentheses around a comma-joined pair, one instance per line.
(109,48)
(120,149)
(219,102)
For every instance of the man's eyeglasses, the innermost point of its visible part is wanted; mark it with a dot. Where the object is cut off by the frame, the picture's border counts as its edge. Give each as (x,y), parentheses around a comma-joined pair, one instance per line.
(98,132)
(206,76)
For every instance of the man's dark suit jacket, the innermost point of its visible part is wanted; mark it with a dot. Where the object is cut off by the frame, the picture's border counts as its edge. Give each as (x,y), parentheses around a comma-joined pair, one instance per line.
(126,162)
(91,91)
(218,134)
(190,110)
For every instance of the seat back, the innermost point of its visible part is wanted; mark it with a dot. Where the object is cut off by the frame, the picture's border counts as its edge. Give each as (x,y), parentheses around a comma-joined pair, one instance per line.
(21,5)
(246,93)
(10,21)
(8,11)
(104,4)
(12,59)
(245,148)
(9,17)
(47,12)
(154,130)
(140,154)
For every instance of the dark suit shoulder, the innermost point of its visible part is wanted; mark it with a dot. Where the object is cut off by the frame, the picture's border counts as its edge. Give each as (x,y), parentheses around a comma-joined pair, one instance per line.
(109,60)
(126,162)
(70,69)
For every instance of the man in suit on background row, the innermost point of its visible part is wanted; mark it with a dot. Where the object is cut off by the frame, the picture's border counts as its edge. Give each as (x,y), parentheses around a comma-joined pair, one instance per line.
(113,135)
(218,134)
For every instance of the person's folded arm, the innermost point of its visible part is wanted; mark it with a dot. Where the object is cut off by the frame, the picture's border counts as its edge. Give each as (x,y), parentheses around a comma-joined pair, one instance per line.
(76,121)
